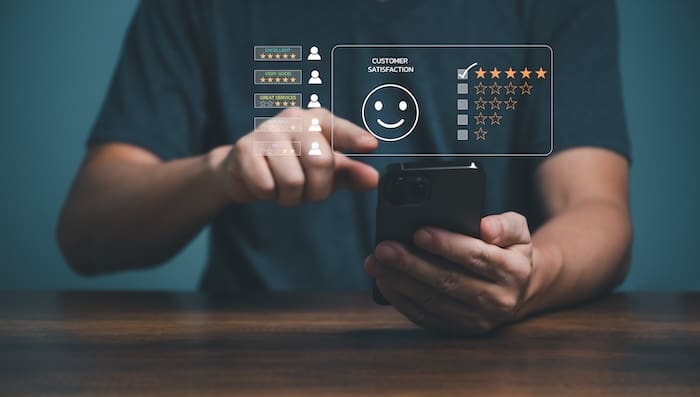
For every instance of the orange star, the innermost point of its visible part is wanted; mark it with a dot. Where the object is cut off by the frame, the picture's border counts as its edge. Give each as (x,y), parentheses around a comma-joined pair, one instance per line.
(481,73)
(526,89)
(480,88)
(495,118)
(480,119)
(495,103)
(480,103)
(510,103)
(525,73)
(480,134)
(510,73)
(541,73)
(495,73)
(510,88)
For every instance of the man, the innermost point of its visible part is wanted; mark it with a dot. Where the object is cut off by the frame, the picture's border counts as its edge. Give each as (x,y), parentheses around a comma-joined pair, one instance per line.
(172,152)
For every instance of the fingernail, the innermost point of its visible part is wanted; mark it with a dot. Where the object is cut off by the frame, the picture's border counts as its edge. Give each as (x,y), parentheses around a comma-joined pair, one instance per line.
(423,237)
(385,252)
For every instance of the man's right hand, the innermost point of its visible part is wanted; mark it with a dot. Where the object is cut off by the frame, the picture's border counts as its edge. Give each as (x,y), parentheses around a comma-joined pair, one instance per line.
(290,180)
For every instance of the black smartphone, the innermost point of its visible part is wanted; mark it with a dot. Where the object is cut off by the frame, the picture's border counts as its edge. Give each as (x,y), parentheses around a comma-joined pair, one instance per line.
(449,195)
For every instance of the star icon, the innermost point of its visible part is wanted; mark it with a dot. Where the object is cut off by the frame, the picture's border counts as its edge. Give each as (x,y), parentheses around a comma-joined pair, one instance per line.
(510,103)
(293,55)
(480,103)
(277,103)
(480,73)
(285,56)
(525,73)
(480,119)
(510,88)
(269,79)
(278,56)
(262,79)
(480,88)
(495,103)
(262,55)
(480,134)
(510,73)
(541,73)
(495,118)
(285,103)
(495,73)
(293,103)
(269,56)
(277,79)
(293,79)
(286,80)
(526,89)
(495,89)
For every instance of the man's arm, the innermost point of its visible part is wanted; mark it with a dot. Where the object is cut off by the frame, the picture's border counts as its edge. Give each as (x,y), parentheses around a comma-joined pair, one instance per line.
(585,243)
(470,285)
(128,209)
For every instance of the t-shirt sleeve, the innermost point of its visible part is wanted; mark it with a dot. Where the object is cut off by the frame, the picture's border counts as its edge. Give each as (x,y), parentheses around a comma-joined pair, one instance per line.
(588,108)
(157,96)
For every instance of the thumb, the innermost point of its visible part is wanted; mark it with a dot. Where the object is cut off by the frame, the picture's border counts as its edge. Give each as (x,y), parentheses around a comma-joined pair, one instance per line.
(353,175)
(505,229)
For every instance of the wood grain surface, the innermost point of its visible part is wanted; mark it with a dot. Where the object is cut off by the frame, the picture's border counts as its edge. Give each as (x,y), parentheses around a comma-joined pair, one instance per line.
(189,344)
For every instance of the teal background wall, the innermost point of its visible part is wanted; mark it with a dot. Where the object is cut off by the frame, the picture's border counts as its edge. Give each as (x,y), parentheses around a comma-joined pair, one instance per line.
(56,59)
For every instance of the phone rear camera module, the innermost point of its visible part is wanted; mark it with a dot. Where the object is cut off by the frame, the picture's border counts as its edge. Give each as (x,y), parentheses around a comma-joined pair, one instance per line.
(408,190)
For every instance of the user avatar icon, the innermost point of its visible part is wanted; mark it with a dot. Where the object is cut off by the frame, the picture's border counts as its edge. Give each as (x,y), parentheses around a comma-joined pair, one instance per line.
(390,112)
(314,127)
(315,149)
(313,102)
(313,54)
(315,78)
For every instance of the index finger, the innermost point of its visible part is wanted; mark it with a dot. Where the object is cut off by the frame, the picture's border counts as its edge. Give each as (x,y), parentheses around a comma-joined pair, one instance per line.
(343,134)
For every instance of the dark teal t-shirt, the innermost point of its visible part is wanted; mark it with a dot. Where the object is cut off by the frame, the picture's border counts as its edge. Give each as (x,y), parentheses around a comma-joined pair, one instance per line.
(183,86)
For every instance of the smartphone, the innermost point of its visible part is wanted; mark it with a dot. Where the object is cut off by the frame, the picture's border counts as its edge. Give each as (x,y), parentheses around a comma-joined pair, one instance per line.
(448,195)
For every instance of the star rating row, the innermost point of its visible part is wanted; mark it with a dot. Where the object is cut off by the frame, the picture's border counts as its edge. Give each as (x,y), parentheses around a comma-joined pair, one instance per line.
(510,73)
(495,88)
(277,56)
(495,119)
(495,103)
(270,80)
(285,103)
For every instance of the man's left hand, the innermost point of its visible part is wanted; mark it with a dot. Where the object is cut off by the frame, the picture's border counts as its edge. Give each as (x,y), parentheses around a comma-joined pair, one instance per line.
(458,284)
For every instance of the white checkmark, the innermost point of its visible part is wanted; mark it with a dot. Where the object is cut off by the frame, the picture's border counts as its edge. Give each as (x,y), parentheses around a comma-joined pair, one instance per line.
(463,74)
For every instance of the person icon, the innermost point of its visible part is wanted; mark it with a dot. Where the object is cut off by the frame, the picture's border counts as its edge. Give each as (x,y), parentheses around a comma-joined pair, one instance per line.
(315,149)
(314,127)
(313,102)
(315,78)
(313,54)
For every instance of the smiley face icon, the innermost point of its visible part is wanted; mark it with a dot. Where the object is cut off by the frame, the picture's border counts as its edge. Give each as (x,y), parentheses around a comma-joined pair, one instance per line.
(390,112)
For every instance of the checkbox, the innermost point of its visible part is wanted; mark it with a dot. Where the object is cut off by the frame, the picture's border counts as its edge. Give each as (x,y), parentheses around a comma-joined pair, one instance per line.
(462,104)
(462,88)
(462,119)
(462,135)
(462,74)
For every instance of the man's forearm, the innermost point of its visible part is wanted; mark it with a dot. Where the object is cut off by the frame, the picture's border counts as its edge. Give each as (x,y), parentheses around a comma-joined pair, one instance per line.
(579,253)
(124,214)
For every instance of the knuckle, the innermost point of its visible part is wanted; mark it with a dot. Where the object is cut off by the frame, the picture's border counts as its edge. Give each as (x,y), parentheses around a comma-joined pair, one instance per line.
(323,161)
(448,281)
(294,182)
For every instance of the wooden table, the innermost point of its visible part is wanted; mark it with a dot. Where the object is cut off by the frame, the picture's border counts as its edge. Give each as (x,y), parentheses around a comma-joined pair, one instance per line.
(188,344)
